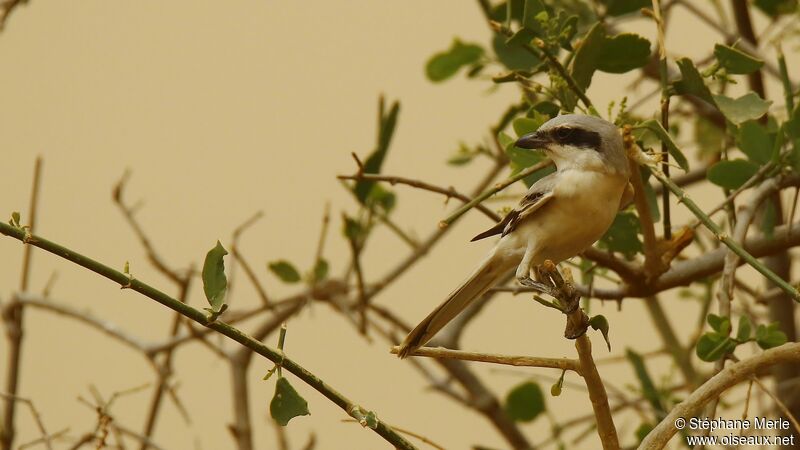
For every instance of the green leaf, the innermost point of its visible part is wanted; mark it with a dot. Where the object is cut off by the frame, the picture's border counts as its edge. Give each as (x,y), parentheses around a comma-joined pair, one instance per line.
(713,346)
(285,271)
(643,430)
(624,52)
(215,283)
(648,387)
(732,174)
(755,141)
(381,197)
(525,402)
(691,82)
(320,270)
(353,230)
(739,110)
(557,387)
(525,125)
(287,404)
(567,30)
(530,12)
(599,322)
(587,56)
(709,138)
(770,336)
(736,61)
(386,125)
(511,52)
(744,330)
(444,65)
(650,195)
(15,218)
(623,235)
(664,137)
(621,7)
(776,7)
(769,219)
(371,420)
(719,323)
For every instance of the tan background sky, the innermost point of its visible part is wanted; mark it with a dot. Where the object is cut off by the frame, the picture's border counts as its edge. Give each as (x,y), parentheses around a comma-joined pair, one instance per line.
(223,109)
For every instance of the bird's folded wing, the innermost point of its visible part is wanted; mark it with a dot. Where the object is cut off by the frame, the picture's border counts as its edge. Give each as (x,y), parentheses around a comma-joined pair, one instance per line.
(537,196)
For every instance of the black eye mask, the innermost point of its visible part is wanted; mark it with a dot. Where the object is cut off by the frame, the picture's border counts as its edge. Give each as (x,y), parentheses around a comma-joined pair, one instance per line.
(576,137)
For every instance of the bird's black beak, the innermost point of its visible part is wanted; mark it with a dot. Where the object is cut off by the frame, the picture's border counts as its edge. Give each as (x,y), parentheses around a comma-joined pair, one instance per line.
(533,141)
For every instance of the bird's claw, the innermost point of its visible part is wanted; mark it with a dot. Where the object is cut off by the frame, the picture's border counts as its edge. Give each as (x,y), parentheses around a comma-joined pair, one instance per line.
(531,283)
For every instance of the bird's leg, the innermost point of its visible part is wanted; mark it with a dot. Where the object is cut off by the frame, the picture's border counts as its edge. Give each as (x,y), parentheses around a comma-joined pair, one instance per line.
(523,272)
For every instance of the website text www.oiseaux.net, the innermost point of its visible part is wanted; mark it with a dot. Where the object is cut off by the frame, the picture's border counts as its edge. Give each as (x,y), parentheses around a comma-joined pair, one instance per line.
(758,431)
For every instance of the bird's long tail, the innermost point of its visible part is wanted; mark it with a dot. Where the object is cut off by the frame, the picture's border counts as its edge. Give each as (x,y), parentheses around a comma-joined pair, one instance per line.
(489,273)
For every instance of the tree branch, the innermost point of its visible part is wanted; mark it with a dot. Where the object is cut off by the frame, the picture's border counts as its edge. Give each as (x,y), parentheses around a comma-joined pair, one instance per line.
(200,317)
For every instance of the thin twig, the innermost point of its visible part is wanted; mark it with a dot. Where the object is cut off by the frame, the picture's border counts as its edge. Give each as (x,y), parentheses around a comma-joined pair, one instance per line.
(37,418)
(447,192)
(522,361)
(13,315)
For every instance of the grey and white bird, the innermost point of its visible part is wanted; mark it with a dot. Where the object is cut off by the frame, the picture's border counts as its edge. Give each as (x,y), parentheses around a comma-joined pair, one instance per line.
(559,217)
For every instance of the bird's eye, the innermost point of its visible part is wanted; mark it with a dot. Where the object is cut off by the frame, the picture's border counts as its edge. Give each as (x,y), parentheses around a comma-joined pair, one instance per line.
(563,133)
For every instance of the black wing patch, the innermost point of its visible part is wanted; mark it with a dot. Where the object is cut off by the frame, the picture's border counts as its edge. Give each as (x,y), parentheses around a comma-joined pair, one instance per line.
(497,229)
(510,221)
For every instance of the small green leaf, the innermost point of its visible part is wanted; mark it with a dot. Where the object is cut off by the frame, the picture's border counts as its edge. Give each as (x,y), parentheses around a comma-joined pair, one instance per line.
(739,110)
(287,404)
(769,219)
(621,7)
(623,235)
(353,229)
(648,387)
(285,271)
(371,420)
(599,322)
(525,402)
(709,138)
(719,323)
(525,125)
(732,174)
(770,336)
(444,65)
(532,14)
(643,430)
(755,141)
(387,121)
(320,269)
(736,61)
(15,218)
(381,197)
(650,195)
(664,137)
(587,55)
(512,54)
(215,283)
(556,388)
(775,8)
(691,82)
(744,329)
(713,346)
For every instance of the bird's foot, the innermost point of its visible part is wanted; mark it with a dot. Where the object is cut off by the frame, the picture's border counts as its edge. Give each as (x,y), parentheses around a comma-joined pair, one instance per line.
(531,283)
